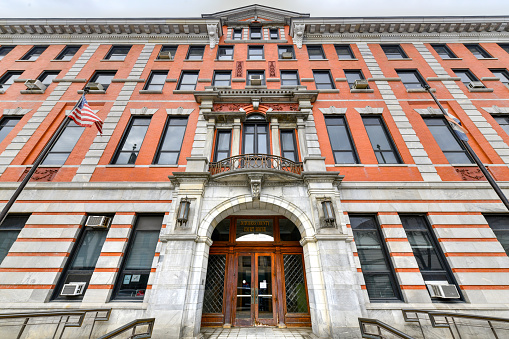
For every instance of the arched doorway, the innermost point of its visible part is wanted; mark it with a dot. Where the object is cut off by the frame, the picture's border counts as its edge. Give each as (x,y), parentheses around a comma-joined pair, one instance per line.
(255,274)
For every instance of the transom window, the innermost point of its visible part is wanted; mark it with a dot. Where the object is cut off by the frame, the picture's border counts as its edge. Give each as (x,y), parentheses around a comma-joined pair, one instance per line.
(315,52)
(118,53)
(344,52)
(394,52)
(443,51)
(478,51)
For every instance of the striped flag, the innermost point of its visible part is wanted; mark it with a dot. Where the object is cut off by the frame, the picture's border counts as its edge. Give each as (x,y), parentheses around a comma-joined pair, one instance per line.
(83,115)
(456,126)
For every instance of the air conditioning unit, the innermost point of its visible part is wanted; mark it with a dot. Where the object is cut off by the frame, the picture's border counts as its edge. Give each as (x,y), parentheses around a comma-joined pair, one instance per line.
(361,84)
(97,221)
(475,84)
(94,86)
(287,55)
(255,80)
(445,291)
(165,55)
(35,84)
(73,289)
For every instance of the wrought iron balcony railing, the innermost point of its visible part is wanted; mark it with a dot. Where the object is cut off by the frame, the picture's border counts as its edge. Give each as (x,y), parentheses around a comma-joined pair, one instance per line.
(255,161)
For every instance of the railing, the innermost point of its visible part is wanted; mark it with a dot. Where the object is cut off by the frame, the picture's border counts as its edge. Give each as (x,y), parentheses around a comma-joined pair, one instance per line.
(364,323)
(133,325)
(66,319)
(482,328)
(255,161)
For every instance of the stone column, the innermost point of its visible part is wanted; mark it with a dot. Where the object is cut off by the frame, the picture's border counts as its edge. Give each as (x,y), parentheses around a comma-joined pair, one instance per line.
(209,139)
(236,137)
(301,129)
(274,127)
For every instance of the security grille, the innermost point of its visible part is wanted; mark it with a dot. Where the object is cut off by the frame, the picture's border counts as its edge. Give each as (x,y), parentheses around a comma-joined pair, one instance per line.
(296,301)
(214,285)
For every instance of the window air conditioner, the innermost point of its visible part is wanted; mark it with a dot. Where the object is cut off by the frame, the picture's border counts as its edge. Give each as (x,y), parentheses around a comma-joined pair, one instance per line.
(255,80)
(361,84)
(475,84)
(95,86)
(97,221)
(437,290)
(35,85)
(287,55)
(73,289)
(165,55)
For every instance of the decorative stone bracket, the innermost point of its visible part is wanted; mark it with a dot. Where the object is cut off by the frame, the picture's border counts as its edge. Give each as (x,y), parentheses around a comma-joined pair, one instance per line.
(298,35)
(255,180)
(213,35)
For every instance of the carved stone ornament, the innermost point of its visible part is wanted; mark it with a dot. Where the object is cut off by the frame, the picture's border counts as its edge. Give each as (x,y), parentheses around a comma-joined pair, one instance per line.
(179,111)
(298,34)
(16,111)
(144,111)
(239,68)
(213,35)
(430,111)
(255,180)
(496,110)
(470,173)
(333,110)
(272,69)
(40,174)
(370,110)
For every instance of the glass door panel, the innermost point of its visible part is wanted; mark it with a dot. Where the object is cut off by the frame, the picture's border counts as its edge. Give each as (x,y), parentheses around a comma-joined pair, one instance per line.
(265,297)
(244,309)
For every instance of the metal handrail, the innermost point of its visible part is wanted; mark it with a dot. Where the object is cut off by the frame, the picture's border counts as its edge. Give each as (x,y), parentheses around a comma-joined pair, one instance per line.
(62,314)
(255,161)
(380,325)
(132,325)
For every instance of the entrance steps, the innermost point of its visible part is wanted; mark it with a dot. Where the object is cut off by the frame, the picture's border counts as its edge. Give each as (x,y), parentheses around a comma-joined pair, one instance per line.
(257,333)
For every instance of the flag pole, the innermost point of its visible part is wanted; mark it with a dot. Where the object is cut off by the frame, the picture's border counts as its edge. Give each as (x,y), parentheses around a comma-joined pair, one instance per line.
(474,156)
(35,165)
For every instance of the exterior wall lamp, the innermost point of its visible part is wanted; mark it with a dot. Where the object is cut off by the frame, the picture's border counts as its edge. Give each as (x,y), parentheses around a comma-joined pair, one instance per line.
(183,211)
(329,217)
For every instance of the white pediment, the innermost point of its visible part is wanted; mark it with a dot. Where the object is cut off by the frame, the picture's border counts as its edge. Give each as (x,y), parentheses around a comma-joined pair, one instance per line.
(257,13)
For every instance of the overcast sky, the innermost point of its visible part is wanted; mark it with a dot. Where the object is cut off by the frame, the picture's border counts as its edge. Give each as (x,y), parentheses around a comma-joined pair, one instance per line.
(194,8)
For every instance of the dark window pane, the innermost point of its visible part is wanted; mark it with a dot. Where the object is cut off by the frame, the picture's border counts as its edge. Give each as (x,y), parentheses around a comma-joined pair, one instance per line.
(222,231)
(380,141)
(255,73)
(59,153)
(289,78)
(288,145)
(448,143)
(47,77)
(237,34)
(477,51)
(169,149)
(502,74)
(500,226)
(9,231)
(68,53)
(143,249)
(223,139)
(104,78)
(131,144)
(323,80)
(315,52)
(34,53)
(188,80)
(393,52)
(171,49)
(90,248)
(222,78)
(118,53)
(255,52)
(225,53)
(443,51)
(4,50)
(156,81)
(195,52)
(8,79)
(352,75)
(274,35)
(6,126)
(411,79)
(256,33)
(344,52)
(340,139)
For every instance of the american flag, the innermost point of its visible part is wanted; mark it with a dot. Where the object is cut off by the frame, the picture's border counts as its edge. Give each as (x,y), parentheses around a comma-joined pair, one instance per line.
(456,126)
(83,115)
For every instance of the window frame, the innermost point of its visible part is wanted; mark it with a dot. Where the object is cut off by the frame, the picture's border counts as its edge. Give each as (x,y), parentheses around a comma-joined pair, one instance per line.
(6,77)
(193,52)
(252,48)
(389,138)
(393,56)
(280,53)
(255,72)
(168,48)
(354,71)
(323,71)
(255,138)
(295,149)
(167,125)
(97,74)
(504,72)
(224,72)
(418,76)
(447,52)
(253,30)
(51,150)
(149,83)
(271,34)
(64,53)
(28,55)
(124,137)
(496,229)
(4,120)
(349,136)
(468,73)
(498,118)
(42,77)
(216,144)
(115,51)
(482,52)
(5,48)
(236,31)
(182,76)
(505,47)
(18,227)
(225,56)
(347,48)
(318,49)
(288,71)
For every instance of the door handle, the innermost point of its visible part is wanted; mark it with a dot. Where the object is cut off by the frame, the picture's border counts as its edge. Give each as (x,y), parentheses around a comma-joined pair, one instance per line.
(252,296)
(256,295)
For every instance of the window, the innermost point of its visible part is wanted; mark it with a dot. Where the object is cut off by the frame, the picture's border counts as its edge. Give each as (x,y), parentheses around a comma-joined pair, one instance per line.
(127,152)
(341,140)
(103,77)
(478,51)
(288,49)
(188,80)
(225,53)
(500,226)
(344,52)
(315,52)
(81,264)
(251,74)
(9,230)
(133,278)
(255,52)
(223,145)
(427,252)
(323,80)
(376,266)
(446,139)
(117,53)
(171,143)
(156,81)
(6,126)
(8,79)
(502,74)
(256,135)
(411,79)
(195,53)
(4,50)
(63,147)
(256,33)
(34,53)
(289,78)
(505,47)
(274,34)
(68,53)
(352,75)
(168,49)
(382,143)
(222,78)
(443,51)
(394,52)
(466,76)
(237,34)
(503,121)
(47,77)
(289,145)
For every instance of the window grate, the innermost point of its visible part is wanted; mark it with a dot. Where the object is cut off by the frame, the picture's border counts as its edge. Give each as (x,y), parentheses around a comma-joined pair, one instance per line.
(214,285)
(296,301)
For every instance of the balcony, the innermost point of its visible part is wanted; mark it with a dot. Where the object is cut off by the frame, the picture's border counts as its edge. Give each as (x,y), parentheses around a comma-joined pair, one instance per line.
(255,162)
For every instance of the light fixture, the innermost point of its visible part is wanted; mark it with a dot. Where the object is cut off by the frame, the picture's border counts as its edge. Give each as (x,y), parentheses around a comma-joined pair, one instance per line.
(328,213)
(183,211)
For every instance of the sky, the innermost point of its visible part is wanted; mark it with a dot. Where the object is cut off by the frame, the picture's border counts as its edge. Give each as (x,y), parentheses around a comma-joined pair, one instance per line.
(194,8)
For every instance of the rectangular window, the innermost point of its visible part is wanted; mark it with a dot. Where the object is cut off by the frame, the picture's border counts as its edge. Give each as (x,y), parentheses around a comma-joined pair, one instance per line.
(195,53)
(466,76)
(503,121)
(237,34)
(222,78)
(63,147)
(68,53)
(502,74)
(341,140)
(255,74)
(352,75)
(188,80)
(171,143)
(9,230)
(478,51)
(377,270)
(323,80)
(255,52)
(344,52)
(47,77)
(285,52)
(315,52)
(129,147)
(8,79)
(381,141)
(34,53)
(118,53)
(289,145)
(223,145)
(274,34)
(443,51)
(225,53)
(505,47)
(256,33)
(394,52)
(4,50)
(171,49)
(103,77)
(135,270)
(411,79)
(6,126)
(500,226)
(447,140)
(156,81)
(289,78)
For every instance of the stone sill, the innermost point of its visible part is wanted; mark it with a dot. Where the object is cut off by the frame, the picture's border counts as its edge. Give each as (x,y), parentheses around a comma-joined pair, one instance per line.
(204,80)
(163,59)
(157,165)
(318,59)
(452,59)
(490,79)
(70,80)
(92,91)
(359,90)
(393,165)
(32,91)
(348,165)
(25,60)
(487,58)
(171,80)
(307,80)
(20,80)
(127,80)
(400,59)
(419,90)
(273,80)
(223,87)
(384,79)
(293,59)
(227,60)
(60,60)
(181,91)
(119,166)
(443,79)
(185,60)
(238,80)
(149,91)
(254,60)
(355,59)
(328,90)
(473,90)
(108,60)
(340,79)
(256,87)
